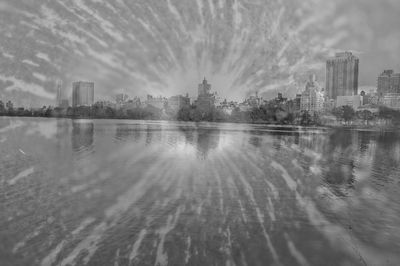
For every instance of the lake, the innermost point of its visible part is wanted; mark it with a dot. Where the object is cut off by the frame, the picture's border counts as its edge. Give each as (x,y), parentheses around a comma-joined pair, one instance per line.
(122,192)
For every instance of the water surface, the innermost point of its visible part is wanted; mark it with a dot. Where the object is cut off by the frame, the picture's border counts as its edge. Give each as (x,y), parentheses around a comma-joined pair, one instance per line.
(118,192)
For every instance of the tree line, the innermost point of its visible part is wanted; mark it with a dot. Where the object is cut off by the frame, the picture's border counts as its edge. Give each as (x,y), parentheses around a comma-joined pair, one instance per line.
(267,113)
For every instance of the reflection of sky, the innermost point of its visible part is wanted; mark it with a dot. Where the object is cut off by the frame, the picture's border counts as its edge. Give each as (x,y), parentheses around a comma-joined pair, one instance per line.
(284,190)
(166,47)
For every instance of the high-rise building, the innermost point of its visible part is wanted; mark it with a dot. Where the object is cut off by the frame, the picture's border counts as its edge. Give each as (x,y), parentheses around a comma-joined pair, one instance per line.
(82,93)
(59,93)
(204,88)
(342,75)
(312,98)
(205,99)
(388,82)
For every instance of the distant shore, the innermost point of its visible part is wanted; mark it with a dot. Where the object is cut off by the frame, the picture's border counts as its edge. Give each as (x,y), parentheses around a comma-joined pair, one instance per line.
(263,123)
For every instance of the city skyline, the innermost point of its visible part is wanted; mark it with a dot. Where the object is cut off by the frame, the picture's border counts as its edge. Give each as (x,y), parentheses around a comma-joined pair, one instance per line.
(242,47)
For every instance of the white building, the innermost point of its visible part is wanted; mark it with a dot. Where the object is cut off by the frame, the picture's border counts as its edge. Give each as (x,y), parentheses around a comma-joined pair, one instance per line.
(312,98)
(391,100)
(354,101)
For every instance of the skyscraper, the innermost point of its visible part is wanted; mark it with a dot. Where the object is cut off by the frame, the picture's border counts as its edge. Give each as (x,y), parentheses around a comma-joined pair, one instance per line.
(82,93)
(204,88)
(388,82)
(205,99)
(342,75)
(312,98)
(59,92)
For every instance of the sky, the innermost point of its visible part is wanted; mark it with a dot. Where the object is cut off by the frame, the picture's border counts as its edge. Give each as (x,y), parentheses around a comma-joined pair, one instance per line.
(166,47)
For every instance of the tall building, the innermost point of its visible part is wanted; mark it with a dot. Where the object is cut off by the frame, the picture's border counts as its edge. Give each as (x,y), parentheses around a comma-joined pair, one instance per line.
(312,98)
(59,93)
(342,75)
(205,99)
(82,93)
(204,88)
(388,82)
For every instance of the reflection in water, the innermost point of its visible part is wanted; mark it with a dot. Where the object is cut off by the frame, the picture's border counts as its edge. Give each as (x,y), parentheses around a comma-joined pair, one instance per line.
(82,135)
(169,193)
(207,140)
(340,151)
(125,132)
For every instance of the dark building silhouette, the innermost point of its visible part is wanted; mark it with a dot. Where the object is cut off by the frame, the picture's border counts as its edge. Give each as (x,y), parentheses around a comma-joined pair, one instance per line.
(205,100)
(342,75)
(82,93)
(388,82)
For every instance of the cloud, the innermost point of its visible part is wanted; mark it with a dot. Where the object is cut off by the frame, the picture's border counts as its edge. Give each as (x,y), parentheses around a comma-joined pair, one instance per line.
(17,84)
(166,47)
(30,62)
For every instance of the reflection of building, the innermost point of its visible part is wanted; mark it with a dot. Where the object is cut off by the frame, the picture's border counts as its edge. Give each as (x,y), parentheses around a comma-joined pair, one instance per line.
(82,93)
(207,140)
(205,100)
(82,135)
(157,102)
(388,82)
(342,75)
(312,98)
(354,101)
(178,102)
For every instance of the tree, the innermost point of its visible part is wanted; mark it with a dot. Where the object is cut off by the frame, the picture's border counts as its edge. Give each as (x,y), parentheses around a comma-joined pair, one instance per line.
(184,114)
(385,113)
(348,113)
(365,115)
(2,108)
(338,113)
(305,118)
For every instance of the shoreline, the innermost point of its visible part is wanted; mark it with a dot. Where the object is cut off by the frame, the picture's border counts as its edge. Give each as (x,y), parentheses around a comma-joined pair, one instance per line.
(372,128)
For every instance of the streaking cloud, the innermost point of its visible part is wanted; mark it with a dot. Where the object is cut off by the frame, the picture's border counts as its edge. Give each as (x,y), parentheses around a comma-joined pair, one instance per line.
(166,47)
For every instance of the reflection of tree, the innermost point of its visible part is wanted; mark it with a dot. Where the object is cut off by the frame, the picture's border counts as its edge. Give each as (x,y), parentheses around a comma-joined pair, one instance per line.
(387,155)
(82,135)
(207,139)
(188,132)
(153,133)
(339,154)
(255,141)
(124,132)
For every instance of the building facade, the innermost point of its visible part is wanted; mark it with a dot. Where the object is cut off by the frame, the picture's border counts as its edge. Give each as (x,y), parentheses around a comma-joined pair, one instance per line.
(354,101)
(59,93)
(157,102)
(341,75)
(391,100)
(82,93)
(178,102)
(312,98)
(205,99)
(388,82)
